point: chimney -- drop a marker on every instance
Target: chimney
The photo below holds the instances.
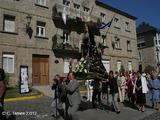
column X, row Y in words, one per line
column 143, row 23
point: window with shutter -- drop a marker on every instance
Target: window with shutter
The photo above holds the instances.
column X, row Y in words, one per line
column 77, row 9
column 118, row 66
column 103, row 40
column 86, row 13
column 8, row 63
column 128, row 45
column 66, row 66
column 130, row 66
column 102, row 16
column 66, row 36
column 139, row 56
column 9, row 23
column 117, row 43
column 40, row 29
column 41, row 2
column 106, row 64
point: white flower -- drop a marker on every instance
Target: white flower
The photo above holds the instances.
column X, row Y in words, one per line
column 85, row 70
column 82, row 59
column 85, row 62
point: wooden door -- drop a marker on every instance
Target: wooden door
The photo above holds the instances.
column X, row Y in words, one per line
column 40, row 70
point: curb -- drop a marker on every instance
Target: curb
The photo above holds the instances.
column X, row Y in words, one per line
column 86, row 91
column 83, row 91
column 23, row 98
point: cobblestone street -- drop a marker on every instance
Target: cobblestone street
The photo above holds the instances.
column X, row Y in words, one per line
column 39, row 109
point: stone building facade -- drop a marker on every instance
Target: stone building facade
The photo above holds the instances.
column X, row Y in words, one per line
column 148, row 38
column 29, row 44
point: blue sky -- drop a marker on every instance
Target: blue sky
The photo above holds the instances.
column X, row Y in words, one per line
column 145, row 10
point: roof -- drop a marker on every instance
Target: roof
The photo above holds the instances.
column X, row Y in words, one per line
column 115, row 10
column 145, row 27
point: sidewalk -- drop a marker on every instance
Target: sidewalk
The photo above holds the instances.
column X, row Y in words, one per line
column 46, row 90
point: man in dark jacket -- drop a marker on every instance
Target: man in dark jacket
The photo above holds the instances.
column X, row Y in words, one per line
column 60, row 97
column 113, row 96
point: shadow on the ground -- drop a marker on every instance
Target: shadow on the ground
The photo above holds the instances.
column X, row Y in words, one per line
column 85, row 105
column 129, row 104
column 147, row 106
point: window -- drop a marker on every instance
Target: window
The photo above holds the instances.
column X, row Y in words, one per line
column 8, row 63
column 86, row 13
column 103, row 40
column 118, row 65
column 66, row 36
column 40, row 29
column 106, row 64
column 130, row 66
column 77, row 9
column 9, row 23
column 127, row 25
column 140, row 67
column 66, row 65
column 157, row 39
column 117, row 43
column 116, row 22
column 102, row 15
column 41, row 2
column 141, row 45
column 139, row 56
column 66, row 2
column 128, row 45
column 157, row 56
column 141, row 42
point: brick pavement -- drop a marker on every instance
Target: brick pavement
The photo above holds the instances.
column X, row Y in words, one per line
column 40, row 110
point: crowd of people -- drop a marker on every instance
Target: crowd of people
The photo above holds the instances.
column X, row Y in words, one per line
column 129, row 87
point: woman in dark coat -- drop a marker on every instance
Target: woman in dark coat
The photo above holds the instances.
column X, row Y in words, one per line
column 141, row 90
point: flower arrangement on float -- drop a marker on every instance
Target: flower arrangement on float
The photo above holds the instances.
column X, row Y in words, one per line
column 82, row 66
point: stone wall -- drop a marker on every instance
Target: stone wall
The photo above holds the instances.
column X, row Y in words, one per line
column 148, row 57
column 25, row 47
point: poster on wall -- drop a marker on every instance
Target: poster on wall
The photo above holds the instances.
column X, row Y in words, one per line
column 24, row 79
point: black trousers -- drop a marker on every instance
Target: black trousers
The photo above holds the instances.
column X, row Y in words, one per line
column 94, row 97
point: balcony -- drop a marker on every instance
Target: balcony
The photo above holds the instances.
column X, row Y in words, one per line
column 74, row 19
column 62, row 49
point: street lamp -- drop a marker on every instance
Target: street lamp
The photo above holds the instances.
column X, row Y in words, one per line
column 28, row 22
